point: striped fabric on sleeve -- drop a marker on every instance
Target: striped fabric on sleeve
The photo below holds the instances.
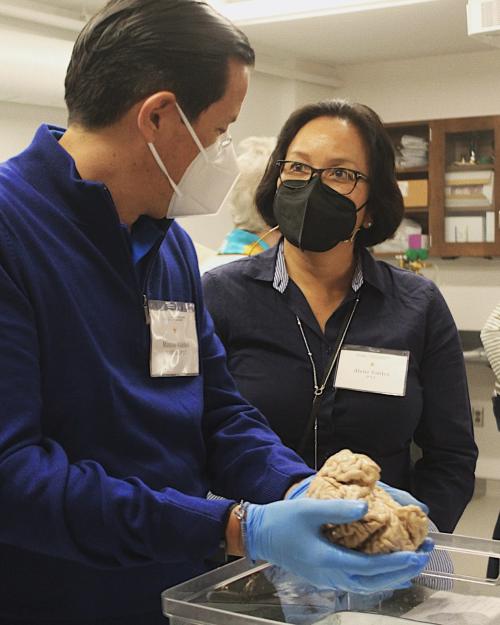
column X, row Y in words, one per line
column 490, row 337
column 439, row 562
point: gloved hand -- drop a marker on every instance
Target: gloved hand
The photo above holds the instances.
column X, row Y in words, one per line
column 402, row 497
column 287, row 533
column 300, row 489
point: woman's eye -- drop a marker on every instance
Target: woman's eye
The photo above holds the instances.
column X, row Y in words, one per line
column 341, row 174
column 299, row 167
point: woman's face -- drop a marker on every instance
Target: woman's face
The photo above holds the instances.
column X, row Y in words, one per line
column 334, row 142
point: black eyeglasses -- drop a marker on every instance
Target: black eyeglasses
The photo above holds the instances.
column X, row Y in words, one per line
column 296, row 175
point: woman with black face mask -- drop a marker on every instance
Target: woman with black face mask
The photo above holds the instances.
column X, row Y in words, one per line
column 337, row 349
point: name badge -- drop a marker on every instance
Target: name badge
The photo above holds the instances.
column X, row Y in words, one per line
column 174, row 340
column 372, row 370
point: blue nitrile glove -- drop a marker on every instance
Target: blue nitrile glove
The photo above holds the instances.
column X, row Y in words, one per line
column 288, row 534
column 300, row 489
column 402, row 497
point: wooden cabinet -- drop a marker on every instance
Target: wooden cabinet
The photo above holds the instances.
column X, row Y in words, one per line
column 411, row 141
column 452, row 188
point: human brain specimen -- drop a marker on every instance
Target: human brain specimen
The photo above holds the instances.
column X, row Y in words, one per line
column 387, row 526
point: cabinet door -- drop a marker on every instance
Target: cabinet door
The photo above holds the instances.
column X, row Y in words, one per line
column 464, row 194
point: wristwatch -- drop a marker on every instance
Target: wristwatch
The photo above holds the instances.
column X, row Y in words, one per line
column 240, row 512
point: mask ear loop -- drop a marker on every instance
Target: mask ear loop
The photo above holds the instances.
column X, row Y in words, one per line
column 160, row 164
column 266, row 234
column 192, row 132
column 356, row 229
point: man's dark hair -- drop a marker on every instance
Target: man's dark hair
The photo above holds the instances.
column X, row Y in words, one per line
column 134, row 48
column 385, row 203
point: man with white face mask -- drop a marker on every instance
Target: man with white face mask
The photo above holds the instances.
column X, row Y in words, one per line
column 118, row 413
column 207, row 182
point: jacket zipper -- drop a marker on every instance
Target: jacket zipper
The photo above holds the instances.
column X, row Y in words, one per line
column 146, row 280
column 145, row 305
column 146, row 308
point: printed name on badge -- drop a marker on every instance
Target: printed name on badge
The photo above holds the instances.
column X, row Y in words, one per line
column 372, row 370
column 174, row 339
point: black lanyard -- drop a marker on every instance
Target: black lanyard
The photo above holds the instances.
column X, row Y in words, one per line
column 318, row 395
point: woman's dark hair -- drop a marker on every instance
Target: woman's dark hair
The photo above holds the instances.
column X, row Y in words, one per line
column 385, row 203
column 134, row 48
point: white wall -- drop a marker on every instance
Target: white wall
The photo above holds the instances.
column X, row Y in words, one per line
column 480, row 378
column 460, row 85
column 18, row 123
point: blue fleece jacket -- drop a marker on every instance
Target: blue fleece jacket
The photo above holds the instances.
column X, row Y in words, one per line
column 103, row 469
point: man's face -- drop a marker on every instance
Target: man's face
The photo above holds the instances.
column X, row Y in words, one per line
column 179, row 149
column 215, row 120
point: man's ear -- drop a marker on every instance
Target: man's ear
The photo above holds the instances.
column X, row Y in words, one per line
column 155, row 113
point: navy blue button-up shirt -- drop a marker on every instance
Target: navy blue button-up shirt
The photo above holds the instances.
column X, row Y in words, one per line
column 254, row 305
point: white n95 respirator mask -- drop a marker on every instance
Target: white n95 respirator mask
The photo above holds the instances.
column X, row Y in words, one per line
column 207, row 181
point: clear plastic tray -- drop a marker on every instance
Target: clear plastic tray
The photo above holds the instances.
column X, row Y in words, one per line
column 243, row 593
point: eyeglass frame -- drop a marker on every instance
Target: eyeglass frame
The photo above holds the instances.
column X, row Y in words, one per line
column 319, row 171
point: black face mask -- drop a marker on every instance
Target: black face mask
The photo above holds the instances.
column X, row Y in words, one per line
column 314, row 217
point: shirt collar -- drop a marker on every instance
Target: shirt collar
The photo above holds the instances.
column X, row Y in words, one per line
column 281, row 277
column 375, row 272
column 264, row 267
column 88, row 199
column 144, row 235
column 52, row 171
